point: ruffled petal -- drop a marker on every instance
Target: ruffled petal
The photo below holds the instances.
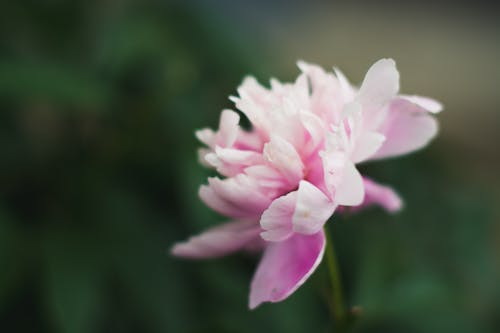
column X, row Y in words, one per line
column 238, row 196
column 315, row 130
column 285, row 266
column 407, row 128
column 254, row 100
column 267, row 177
column 277, row 219
column 326, row 98
column 316, row 74
column 283, row 156
column 230, row 162
column 214, row 201
column 219, row 241
column 312, row 210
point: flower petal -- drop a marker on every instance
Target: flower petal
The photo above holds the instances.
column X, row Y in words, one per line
column 236, row 156
column 219, row 241
column 285, row 266
column 380, row 85
column 283, row 156
column 206, row 136
column 277, row 219
column 347, row 89
column 315, row 73
column 214, row 201
column 406, row 129
column 312, row 210
column 367, row 144
column 315, row 128
column 253, row 101
column 377, row 194
column 426, row 103
column 333, row 160
column 238, row 196
column 326, row 98
column 230, row 162
column 228, row 128
column 241, row 191
column 267, row 177
column 350, row 191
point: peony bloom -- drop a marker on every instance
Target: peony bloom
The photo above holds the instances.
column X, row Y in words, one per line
column 286, row 176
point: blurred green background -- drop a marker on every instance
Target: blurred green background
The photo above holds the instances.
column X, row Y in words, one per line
column 99, row 100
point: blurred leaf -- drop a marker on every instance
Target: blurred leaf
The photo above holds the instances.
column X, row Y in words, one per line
column 13, row 259
column 154, row 289
column 59, row 84
column 74, row 273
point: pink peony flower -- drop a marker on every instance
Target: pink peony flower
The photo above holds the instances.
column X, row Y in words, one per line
column 284, row 178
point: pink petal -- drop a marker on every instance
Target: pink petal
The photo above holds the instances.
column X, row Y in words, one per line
column 227, row 133
column 242, row 192
column 277, row 219
column 228, row 128
column 285, row 266
column 214, row 201
column 219, row 241
column 248, row 140
column 285, row 123
column 406, row 129
column 236, row 156
column 283, row 156
column 425, row 103
column 333, row 161
column 207, row 136
column 238, row 196
column 253, row 101
column 300, row 90
column 347, row 89
column 315, row 73
column 377, row 194
column 367, row 144
column 380, row 85
column 312, row 210
column 326, row 99
column 350, row 191
column 252, row 90
column 315, row 128
column 230, row 162
column 267, row 176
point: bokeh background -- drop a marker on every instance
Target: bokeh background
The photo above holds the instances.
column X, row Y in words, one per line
column 99, row 100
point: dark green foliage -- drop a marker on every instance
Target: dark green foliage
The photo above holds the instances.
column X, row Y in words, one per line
column 99, row 176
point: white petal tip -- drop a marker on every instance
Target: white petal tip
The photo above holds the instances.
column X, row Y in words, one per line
column 179, row 250
column 303, row 66
column 394, row 205
column 254, row 305
column 388, row 61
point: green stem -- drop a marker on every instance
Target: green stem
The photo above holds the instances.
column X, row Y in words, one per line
column 338, row 306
